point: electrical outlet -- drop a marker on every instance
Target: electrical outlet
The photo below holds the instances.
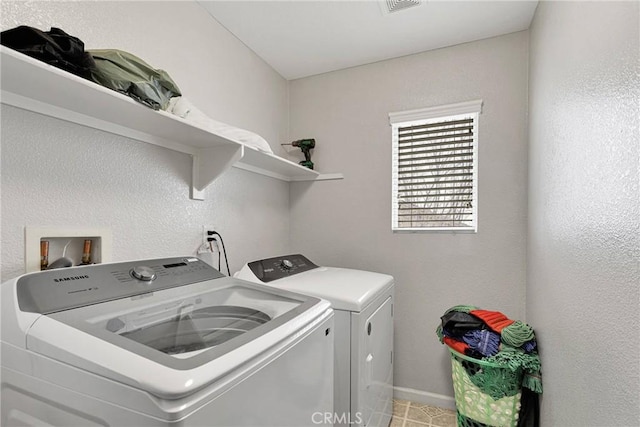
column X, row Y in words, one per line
column 205, row 246
column 206, row 228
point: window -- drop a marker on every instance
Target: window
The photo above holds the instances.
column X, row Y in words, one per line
column 435, row 158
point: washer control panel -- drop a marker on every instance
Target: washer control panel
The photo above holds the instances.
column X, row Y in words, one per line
column 50, row 291
column 270, row 269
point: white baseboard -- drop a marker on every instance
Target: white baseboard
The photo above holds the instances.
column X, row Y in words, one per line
column 424, row 397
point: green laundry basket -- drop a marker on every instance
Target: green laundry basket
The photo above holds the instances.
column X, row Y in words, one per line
column 486, row 394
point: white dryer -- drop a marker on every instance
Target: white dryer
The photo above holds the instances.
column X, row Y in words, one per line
column 363, row 307
column 161, row 342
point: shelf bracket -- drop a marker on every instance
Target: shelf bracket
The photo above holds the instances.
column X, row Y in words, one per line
column 209, row 164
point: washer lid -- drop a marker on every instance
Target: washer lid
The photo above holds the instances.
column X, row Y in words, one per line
column 345, row 289
column 170, row 340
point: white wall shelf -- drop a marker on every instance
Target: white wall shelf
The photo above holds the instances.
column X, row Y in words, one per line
column 36, row 86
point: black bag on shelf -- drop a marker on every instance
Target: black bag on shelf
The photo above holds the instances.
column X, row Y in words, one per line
column 55, row 47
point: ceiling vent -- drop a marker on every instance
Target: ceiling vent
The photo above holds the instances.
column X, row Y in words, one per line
column 389, row 6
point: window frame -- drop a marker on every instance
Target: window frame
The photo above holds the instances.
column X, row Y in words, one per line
column 431, row 114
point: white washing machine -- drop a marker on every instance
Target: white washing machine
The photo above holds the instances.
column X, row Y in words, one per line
column 162, row 342
column 363, row 307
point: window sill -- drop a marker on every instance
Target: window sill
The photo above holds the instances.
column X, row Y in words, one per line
column 456, row 230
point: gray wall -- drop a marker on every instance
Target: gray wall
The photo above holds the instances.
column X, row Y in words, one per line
column 59, row 174
column 584, row 236
column 348, row 223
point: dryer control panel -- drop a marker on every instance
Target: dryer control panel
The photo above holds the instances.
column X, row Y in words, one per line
column 276, row 268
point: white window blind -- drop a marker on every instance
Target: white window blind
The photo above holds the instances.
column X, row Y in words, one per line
column 434, row 175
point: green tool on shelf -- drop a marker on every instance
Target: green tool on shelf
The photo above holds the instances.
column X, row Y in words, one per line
column 305, row 145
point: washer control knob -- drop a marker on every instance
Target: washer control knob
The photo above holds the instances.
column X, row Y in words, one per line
column 144, row 273
column 286, row 264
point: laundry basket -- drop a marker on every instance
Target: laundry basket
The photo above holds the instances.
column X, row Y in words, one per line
column 486, row 394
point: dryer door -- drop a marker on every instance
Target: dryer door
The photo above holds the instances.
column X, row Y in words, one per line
column 374, row 349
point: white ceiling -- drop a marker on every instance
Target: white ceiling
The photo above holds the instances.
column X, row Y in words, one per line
column 300, row 38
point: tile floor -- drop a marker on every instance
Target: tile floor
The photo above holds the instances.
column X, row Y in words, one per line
column 412, row 414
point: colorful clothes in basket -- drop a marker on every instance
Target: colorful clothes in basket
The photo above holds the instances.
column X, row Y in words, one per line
column 490, row 336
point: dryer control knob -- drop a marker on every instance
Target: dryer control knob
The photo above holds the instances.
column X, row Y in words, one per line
column 286, row 264
column 143, row 273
